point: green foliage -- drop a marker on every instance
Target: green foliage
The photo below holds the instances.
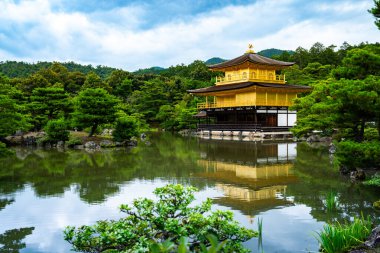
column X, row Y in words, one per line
column 177, row 118
column 73, row 140
column 183, row 247
column 94, row 81
column 375, row 11
column 56, row 130
column 371, row 134
column 358, row 155
column 331, row 201
column 374, row 181
column 126, row 128
column 339, row 238
column 344, row 104
column 4, row 151
column 170, row 218
column 94, row 107
column 358, row 64
column 47, row 104
column 11, row 119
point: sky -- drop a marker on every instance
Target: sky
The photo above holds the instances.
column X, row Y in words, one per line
column 140, row 34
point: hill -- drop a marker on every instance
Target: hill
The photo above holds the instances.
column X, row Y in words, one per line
column 273, row 51
column 23, row 69
column 152, row 70
column 214, row 60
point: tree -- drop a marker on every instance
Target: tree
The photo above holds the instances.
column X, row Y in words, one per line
column 375, row 11
column 93, row 108
column 94, row 81
column 346, row 105
column 56, row 130
column 48, row 103
column 126, row 127
column 32, row 82
column 170, row 218
column 358, row 64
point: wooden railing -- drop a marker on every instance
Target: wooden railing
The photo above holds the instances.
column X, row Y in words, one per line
column 268, row 78
column 230, row 127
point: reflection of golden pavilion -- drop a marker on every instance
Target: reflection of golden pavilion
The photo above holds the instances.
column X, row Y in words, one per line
column 248, row 188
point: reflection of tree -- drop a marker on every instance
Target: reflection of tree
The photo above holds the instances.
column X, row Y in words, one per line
column 318, row 177
column 5, row 202
column 11, row 240
column 98, row 175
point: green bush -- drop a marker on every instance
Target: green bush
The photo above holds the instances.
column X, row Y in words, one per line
column 56, row 130
column 339, row 238
column 374, row 181
column 358, row 155
column 371, row 134
column 126, row 127
column 151, row 224
column 4, row 151
column 73, row 140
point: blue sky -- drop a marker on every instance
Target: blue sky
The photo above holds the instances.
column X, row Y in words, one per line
column 138, row 34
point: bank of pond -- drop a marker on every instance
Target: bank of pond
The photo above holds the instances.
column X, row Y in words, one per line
column 288, row 186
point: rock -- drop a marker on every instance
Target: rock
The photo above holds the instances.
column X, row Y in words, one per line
column 143, row 136
column 373, row 240
column 107, row 132
column 376, row 204
column 332, row 148
column 313, row 138
column 325, row 139
column 91, row 145
column 344, row 170
column 14, row 140
column 359, row 174
column 60, row 144
column 107, row 144
column 131, row 143
column 19, row 133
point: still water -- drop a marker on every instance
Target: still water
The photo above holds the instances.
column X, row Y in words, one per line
column 43, row 191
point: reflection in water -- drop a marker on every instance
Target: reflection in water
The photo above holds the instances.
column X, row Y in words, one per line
column 253, row 184
column 285, row 183
column 11, row 240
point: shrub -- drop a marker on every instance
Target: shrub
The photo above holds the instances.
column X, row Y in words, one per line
column 4, row 151
column 56, row 130
column 358, row 155
column 167, row 220
column 126, row 127
column 340, row 238
column 374, row 181
column 73, row 140
column 371, row 134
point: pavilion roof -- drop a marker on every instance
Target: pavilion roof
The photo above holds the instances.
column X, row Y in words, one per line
column 237, row 86
column 253, row 58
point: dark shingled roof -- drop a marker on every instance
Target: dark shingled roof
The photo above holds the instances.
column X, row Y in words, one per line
column 237, row 86
column 253, row 58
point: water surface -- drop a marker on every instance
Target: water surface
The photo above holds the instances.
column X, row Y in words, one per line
column 42, row 191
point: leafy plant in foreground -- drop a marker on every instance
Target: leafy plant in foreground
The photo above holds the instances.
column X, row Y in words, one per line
column 159, row 222
column 339, row 238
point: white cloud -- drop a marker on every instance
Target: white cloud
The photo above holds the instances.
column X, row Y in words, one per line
column 113, row 37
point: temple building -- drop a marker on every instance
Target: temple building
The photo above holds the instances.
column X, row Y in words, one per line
column 252, row 95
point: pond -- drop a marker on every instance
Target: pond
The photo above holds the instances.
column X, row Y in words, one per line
column 285, row 184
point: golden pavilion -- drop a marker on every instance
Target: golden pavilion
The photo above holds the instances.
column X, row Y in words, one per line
column 252, row 95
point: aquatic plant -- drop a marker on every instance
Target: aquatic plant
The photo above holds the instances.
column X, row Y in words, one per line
column 260, row 233
column 331, row 201
column 338, row 238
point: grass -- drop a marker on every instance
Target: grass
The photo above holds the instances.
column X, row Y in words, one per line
column 260, row 233
column 331, row 201
column 340, row 238
column 374, row 181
